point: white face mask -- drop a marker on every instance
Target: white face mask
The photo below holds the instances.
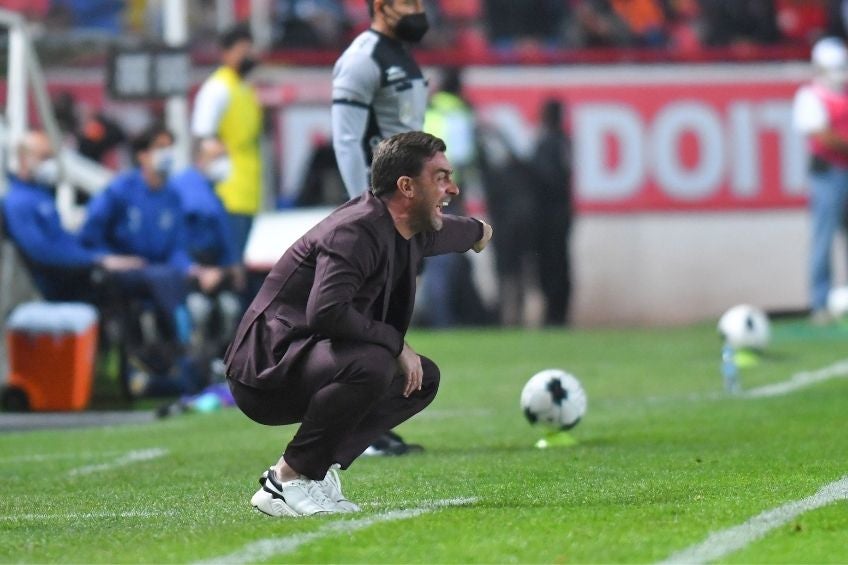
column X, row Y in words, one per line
column 46, row 172
column 163, row 160
column 837, row 79
column 219, row 169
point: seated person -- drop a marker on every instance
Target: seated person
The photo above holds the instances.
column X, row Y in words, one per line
column 216, row 311
column 140, row 213
column 61, row 267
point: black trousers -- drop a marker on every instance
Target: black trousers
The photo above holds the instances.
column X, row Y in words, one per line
column 345, row 395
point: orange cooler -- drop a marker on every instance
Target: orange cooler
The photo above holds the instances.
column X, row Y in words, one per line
column 52, row 346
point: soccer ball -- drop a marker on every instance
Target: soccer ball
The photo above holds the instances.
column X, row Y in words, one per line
column 837, row 302
column 745, row 327
column 554, row 398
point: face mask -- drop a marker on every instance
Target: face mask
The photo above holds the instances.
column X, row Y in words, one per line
column 245, row 66
column 836, row 79
column 219, row 169
column 163, row 160
column 46, row 172
column 412, row 27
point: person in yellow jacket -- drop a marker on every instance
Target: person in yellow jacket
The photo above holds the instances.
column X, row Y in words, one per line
column 227, row 108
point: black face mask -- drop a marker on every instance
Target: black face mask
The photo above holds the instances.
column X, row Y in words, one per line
column 245, row 66
column 412, row 27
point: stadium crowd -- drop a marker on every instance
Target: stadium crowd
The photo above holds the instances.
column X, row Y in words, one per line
column 478, row 26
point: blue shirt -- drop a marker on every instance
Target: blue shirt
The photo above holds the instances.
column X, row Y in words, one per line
column 208, row 235
column 33, row 223
column 102, row 15
column 131, row 218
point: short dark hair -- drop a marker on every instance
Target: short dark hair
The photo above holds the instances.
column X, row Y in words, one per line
column 402, row 155
column 144, row 140
column 370, row 4
column 236, row 33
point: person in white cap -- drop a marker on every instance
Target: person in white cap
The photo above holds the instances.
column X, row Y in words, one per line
column 820, row 113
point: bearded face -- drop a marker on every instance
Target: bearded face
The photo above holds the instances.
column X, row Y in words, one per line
column 434, row 189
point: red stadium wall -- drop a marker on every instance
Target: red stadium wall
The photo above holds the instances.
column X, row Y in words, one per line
column 688, row 178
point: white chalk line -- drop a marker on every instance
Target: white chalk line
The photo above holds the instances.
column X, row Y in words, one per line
column 68, row 516
column 266, row 548
column 39, row 457
column 800, row 380
column 451, row 413
column 724, row 542
column 458, row 501
column 129, row 458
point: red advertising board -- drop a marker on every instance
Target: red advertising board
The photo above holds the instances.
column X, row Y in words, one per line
column 680, row 139
column 645, row 137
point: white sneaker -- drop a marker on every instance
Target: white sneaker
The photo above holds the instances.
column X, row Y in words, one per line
column 290, row 498
column 316, row 493
column 265, row 502
column 332, row 488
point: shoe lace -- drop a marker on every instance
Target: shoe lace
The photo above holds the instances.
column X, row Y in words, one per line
column 318, row 494
column 334, row 484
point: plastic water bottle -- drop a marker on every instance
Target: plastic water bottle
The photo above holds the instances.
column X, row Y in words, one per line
column 729, row 370
column 205, row 402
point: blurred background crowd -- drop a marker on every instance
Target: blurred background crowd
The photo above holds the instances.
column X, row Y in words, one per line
column 476, row 28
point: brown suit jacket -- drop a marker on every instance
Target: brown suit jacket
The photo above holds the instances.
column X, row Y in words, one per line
column 326, row 286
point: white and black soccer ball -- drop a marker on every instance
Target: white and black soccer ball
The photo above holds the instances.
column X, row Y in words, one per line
column 554, row 398
column 745, row 327
column 837, row 302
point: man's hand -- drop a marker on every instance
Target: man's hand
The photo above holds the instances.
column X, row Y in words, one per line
column 208, row 278
column 115, row 263
column 410, row 365
column 487, row 235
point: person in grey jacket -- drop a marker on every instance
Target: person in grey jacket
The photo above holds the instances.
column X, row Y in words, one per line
column 378, row 88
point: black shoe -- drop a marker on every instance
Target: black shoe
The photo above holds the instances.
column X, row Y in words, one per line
column 171, row 409
column 392, row 444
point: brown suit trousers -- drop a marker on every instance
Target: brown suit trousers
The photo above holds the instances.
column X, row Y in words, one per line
column 345, row 394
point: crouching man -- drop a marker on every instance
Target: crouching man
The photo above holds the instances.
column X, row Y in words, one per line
column 323, row 341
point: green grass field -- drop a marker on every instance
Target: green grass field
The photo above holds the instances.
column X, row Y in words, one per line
column 664, row 459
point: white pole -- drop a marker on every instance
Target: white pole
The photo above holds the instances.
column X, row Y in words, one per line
column 43, row 104
column 16, row 91
column 65, row 192
column 260, row 24
column 176, row 107
column 225, row 14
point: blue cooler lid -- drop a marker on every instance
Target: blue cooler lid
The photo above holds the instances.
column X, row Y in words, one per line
column 52, row 317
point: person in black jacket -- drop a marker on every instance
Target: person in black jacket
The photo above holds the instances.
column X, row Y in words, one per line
column 553, row 210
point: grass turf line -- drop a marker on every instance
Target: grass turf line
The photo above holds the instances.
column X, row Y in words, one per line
column 663, row 460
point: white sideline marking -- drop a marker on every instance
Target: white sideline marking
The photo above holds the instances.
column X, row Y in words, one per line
column 724, row 542
column 266, row 548
column 449, row 413
column 800, row 380
column 127, row 459
column 36, row 457
column 83, row 515
column 460, row 501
